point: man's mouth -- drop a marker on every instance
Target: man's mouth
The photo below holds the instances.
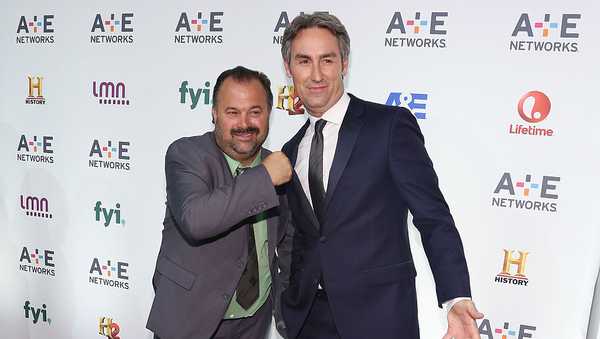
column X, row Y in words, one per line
column 245, row 134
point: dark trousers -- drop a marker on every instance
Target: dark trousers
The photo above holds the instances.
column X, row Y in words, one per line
column 254, row 327
column 319, row 323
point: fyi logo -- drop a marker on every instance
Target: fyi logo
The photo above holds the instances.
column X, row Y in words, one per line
column 108, row 328
column 36, row 314
column 195, row 95
column 108, row 215
column 289, row 101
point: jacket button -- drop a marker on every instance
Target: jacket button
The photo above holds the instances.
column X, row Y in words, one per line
column 240, row 264
column 323, row 239
column 226, row 297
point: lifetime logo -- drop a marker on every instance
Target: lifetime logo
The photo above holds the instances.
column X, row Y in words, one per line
column 487, row 331
column 538, row 32
column 528, row 189
column 420, row 23
column 30, row 31
column 201, row 28
column 110, row 93
column 289, row 101
column 35, row 207
column 38, row 257
column 533, row 107
column 415, row 102
column 112, row 275
column 108, row 328
column 114, row 26
column 34, row 93
column 105, row 215
column 283, row 22
column 505, row 276
column 36, row 314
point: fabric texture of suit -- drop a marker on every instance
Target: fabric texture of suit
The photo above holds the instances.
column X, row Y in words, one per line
column 360, row 253
column 204, row 245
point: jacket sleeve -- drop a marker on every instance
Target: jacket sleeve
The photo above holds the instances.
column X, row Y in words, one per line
column 202, row 211
column 417, row 183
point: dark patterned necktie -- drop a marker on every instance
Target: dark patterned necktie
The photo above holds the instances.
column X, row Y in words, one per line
column 315, row 172
column 247, row 289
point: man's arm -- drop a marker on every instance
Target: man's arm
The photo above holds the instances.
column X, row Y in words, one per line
column 202, row 211
column 413, row 174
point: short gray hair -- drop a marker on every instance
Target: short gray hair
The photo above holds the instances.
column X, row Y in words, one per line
column 322, row 20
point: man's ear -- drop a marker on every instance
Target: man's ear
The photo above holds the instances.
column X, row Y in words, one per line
column 345, row 67
column 214, row 115
column 287, row 68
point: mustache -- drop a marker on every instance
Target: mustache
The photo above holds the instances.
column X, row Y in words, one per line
column 251, row 129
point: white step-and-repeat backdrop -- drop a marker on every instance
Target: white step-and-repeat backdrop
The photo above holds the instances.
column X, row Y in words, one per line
column 92, row 93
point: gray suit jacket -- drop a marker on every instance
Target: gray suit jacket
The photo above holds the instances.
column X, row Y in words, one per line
column 204, row 241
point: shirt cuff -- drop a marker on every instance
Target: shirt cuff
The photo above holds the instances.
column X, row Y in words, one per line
column 447, row 306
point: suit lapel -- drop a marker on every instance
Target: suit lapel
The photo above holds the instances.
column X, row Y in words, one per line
column 348, row 134
column 291, row 150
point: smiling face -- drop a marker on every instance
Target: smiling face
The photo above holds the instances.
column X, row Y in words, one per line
column 316, row 67
column 241, row 119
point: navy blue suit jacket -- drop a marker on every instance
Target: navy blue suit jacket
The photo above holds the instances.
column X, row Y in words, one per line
column 361, row 252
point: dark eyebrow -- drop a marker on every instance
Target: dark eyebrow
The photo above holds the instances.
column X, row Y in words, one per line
column 328, row 55
column 301, row 56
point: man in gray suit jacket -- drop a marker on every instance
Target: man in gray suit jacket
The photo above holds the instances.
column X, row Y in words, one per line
column 216, row 270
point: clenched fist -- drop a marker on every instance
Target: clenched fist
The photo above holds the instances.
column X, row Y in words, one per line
column 279, row 168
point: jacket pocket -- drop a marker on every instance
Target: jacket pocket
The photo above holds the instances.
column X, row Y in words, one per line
column 388, row 274
column 175, row 273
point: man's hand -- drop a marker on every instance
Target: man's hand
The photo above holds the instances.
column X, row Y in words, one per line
column 461, row 321
column 279, row 168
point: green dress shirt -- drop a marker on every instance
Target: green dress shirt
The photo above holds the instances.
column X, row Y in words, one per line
column 234, row 310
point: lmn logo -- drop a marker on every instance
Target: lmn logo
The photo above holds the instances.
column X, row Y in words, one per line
column 110, row 93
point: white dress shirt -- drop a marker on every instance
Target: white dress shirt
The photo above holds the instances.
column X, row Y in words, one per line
column 334, row 117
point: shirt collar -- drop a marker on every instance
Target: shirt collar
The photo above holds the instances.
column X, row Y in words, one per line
column 336, row 113
column 233, row 164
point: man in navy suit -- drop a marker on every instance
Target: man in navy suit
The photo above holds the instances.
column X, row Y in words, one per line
column 359, row 168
